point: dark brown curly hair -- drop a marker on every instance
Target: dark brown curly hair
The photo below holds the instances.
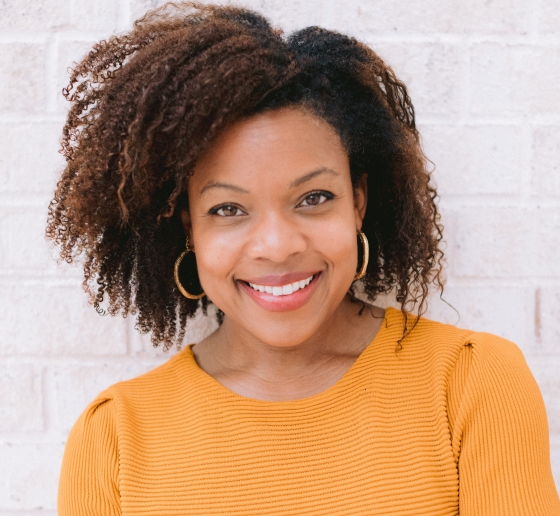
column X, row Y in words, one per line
column 147, row 103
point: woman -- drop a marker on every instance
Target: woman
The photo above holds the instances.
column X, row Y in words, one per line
column 209, row 158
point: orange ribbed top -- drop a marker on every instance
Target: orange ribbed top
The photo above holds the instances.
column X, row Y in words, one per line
column 454, row 423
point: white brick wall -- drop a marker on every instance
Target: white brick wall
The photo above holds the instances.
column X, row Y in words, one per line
column 485, row 79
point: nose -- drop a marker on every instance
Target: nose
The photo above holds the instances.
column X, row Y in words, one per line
column 276, row 238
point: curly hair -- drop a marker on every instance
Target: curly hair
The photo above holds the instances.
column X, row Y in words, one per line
column 147, row 103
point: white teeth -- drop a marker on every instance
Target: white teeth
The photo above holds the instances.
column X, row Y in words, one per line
column 287, row 290
column 284, row 290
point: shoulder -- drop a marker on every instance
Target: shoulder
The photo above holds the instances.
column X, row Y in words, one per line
column 499, row 429
column 427, row 334
column 423, row 339
column 169, row 377
column 494, row 368
column 482, row 374
column 90, row 463
column 129, row 402
column 104, row 409
column 461, row 360
column 491, row 351
column 491, row 391
column 98, row 417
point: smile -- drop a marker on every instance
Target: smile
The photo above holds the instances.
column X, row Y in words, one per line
column 290, row 295
column 282, row 290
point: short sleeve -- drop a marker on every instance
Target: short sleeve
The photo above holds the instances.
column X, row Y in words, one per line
column 89, row 476
column 500, row 433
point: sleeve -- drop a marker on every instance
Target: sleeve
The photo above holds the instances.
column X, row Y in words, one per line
column 500, row 433
column 89, row 476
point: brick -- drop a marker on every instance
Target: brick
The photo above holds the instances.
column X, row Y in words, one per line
column 22, row 240
column 549, row 19
column 101, row 15
column 56, row 320
column 477, row 159
column 505, row 242
column 514, row 79
column 358, row 17
column 35, row 15
column 31, row 477
column 69, row 53
column 546, row 242
column 76, row 386
column 543, row 80
column 503, row 311
column 491, row 242
column 545, row 159
column 547, row 315
column 29, row 158
column 20, row 398
column 22, row 77
column 430, row 71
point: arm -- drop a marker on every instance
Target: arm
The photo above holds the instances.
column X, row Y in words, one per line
column 500, row 433
column 89, row 476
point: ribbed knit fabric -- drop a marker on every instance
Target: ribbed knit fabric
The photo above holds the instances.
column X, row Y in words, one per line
column 453, row 423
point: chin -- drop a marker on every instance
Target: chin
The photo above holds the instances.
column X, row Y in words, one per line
column 278, row 338
column 281, row 329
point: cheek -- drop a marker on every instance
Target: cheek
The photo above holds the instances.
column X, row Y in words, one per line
column 336, row 242
column 216, row 258
column 218, row 255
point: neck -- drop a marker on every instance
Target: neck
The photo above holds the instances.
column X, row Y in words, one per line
column 345, row 334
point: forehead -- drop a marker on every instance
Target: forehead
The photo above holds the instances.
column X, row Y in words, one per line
column 283, row 143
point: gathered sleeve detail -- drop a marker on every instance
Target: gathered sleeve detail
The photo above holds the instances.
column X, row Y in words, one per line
column 90, row 469
column 499, row 432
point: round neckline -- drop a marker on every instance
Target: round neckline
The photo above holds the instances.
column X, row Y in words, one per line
column 219, row 388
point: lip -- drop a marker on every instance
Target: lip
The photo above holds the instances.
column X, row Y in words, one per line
column 282, row 303
column 273, row 280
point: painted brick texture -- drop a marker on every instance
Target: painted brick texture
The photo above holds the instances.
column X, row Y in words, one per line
column 485, row 80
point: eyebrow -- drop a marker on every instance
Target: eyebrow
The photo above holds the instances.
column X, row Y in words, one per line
column 297, row 182
column 311, row 175
column 219, row 184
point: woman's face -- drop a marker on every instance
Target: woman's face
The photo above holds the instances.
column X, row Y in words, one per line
column 272, row 220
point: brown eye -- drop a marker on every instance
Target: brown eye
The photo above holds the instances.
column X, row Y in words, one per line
column 226, row 210
column 316, row 198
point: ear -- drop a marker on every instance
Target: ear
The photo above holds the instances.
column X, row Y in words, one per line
column 360, row 201
column 187, row 226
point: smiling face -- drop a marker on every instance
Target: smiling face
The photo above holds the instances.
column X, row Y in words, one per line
column 272, row 219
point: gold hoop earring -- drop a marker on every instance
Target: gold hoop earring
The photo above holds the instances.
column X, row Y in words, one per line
column 176, row 274
column 362, row 272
